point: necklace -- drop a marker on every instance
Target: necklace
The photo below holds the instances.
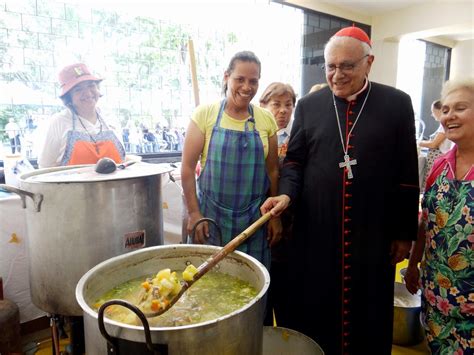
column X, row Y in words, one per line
column 96, row 146
column 347, row 163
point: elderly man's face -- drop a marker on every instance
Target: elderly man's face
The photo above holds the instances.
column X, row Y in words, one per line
column 347, row 65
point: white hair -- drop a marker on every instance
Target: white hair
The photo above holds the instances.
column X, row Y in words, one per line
column 457, row 84
column 335, row 39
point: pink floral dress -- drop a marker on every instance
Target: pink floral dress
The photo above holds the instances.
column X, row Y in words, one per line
column 448, row 264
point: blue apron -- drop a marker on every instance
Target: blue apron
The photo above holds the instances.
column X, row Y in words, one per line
column 234, row 184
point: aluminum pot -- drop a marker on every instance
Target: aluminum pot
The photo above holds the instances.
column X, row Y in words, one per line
column 77, row 218
column 284, row 341
column 239, row 332
column 407, row 329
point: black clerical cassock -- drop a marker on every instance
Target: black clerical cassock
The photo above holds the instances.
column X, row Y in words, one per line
column 341, row 277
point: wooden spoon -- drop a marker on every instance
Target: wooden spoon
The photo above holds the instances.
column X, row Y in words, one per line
column 213, row 260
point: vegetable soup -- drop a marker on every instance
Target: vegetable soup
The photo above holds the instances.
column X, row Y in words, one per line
column 214, row 295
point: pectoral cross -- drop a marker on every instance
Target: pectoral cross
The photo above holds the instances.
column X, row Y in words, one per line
column 347, row 164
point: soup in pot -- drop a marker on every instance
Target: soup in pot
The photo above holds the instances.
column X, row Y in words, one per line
column 214, row 295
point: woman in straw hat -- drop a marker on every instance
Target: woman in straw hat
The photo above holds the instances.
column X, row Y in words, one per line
column 79, row 134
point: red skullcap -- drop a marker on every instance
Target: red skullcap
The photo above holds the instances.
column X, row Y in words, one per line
column 354, row 32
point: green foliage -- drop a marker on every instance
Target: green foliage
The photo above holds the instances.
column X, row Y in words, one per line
column 103, row 18
column 142, row 54
column 168, row 116
column 232, row 38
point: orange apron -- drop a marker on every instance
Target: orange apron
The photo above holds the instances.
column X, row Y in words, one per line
column 86, row 148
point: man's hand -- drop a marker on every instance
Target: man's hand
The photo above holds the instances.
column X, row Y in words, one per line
column 276, row 205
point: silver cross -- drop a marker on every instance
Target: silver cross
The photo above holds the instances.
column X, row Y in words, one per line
column 347, row 164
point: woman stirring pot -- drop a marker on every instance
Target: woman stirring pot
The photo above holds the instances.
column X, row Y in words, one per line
column 236, row 143
column 79, row 134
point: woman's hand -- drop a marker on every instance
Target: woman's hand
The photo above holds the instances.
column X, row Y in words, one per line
column 274, row 231
column 202, row 230
column 276, row 205
column 400, row 250
column 193, row 145
column 412, row 279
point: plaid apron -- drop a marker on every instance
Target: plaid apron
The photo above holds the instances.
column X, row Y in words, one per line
column 233, row 185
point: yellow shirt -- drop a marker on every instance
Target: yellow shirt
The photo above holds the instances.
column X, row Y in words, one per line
column 205, row 116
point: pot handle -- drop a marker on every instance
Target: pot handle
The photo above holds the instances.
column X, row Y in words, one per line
column 135, row 310
column 219, row 232
column 37, row 198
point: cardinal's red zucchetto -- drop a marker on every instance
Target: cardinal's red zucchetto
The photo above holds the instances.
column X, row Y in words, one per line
column 354, row 32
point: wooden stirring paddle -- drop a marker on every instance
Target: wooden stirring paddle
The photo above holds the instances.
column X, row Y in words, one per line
column 212, row 261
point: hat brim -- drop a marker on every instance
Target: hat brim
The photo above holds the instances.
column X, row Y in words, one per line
column 66, row 88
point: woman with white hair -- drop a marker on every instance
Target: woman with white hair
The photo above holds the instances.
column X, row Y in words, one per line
column 445, row 244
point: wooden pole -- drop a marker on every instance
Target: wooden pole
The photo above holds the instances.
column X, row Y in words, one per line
column 192, row 62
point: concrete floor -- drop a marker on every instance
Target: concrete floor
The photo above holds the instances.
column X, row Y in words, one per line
column 40, row 343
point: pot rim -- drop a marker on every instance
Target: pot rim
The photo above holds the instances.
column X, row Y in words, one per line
column 85, row 173
column 401, row 291
column 87, row 309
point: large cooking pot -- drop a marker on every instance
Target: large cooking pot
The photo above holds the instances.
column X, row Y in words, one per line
column 77, row 218
column 237, row 333
column 407, row 329
column 284, row 341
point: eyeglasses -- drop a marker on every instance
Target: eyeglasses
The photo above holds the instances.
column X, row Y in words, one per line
column 345, row 67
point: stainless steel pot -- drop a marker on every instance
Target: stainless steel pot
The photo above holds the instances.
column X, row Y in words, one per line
column 407, row 329
column 284, row 341
column 77, row 218
column 237, row 333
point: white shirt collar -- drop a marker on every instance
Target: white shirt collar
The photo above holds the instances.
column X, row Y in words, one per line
column 286, row 130
column 354, row 96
